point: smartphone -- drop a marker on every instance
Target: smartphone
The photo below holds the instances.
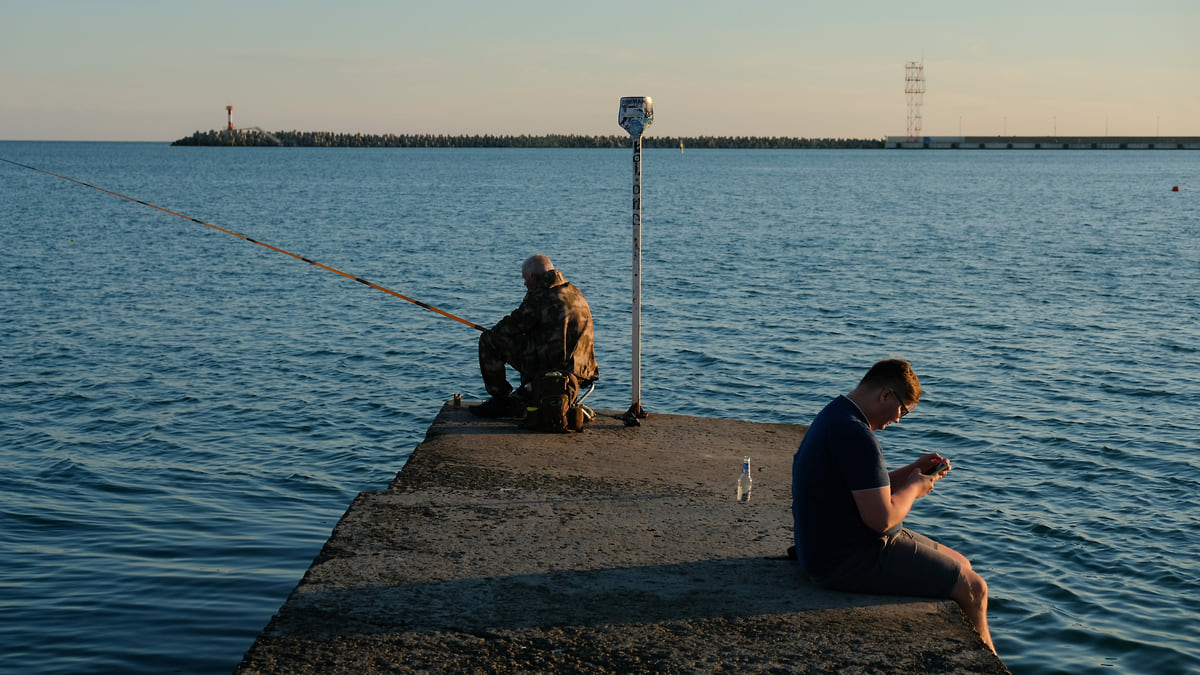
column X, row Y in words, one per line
column 938, row 469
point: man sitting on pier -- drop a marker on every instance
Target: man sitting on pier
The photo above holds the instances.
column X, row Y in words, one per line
column 849, row 509
column 550, row 330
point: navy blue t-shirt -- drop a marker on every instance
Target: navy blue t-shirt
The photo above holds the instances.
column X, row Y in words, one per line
column 838, row 456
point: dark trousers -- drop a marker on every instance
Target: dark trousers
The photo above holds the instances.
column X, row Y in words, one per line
column 494, row 354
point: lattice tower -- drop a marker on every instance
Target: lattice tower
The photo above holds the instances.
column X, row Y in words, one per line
column 914, row 87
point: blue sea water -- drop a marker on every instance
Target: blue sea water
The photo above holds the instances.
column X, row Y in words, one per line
column 184, row 415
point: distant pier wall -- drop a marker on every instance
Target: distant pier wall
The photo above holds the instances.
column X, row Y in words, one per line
column 1045, row 143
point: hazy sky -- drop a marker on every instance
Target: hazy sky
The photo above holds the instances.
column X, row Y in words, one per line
column 158, row 70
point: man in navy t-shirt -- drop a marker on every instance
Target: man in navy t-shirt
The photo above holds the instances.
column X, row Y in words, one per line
column 849, row 509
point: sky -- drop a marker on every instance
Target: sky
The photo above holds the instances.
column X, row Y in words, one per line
column 159, row 70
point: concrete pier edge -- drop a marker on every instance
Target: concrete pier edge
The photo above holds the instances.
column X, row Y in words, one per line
column 619, row 549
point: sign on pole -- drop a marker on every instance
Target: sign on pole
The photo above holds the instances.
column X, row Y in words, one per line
column 635, row 115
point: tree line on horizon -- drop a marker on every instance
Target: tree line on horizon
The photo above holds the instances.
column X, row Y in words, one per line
column 326, row 139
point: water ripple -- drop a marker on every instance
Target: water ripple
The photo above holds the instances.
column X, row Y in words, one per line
column 185, row 417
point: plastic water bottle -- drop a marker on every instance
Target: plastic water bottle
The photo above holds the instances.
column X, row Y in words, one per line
column 744, row 482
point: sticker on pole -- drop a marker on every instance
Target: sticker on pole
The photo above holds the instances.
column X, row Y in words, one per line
column 636, row 114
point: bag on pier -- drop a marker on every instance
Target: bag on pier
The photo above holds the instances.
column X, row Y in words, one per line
column 552, row 405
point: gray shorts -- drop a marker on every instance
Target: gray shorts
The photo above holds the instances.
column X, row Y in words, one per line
column 905, row 563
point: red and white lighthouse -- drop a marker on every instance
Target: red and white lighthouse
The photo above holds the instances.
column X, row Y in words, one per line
column 229, row 110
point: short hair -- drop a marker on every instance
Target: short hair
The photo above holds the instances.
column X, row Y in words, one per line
column 896, row 374
column 536, row 264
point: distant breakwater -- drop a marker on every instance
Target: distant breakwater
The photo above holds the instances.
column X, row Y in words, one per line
column 325, row 139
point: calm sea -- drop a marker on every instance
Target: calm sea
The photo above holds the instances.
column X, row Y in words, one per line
column 184, row 416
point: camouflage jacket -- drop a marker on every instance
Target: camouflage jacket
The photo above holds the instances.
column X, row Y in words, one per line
column 551, row 329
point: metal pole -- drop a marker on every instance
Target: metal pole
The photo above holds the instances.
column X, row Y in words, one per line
column 635, row 407
column 636, row 113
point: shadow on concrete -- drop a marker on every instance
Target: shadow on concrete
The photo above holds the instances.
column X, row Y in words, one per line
column 458, row 421
column 708, row 589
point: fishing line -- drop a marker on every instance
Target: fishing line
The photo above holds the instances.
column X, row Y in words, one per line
column 254, row 241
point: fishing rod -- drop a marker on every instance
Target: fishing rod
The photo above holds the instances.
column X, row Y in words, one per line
column 254, row 241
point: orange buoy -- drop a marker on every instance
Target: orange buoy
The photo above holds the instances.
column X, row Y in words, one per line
column 1175, row 189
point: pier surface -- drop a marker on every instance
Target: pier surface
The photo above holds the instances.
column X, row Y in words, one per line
column 619, row 549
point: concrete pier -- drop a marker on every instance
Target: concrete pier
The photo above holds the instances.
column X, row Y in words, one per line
column 619, row 549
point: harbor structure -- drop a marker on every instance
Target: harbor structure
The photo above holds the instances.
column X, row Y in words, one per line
column 1044, row 143
column 914, row 90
